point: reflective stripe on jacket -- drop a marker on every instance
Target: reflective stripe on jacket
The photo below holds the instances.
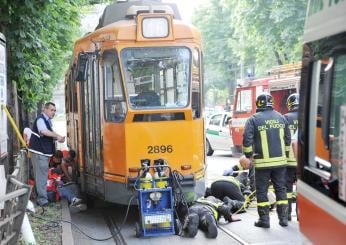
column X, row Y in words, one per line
column 212, row 205
column 267, row 138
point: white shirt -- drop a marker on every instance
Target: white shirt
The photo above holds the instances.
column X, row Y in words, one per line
column 41, row 125
column 295, row 136
column 27, row 132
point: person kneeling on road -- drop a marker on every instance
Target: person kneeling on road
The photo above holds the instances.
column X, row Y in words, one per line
column 204, row 214
column 239, row 172
column 235, row 188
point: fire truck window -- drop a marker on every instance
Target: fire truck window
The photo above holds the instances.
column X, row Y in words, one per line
column 244, row 103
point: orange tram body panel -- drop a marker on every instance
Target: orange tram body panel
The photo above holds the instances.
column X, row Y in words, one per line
column 321, row 158
column 134, row 92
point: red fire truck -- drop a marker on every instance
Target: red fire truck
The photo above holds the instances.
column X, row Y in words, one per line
column 282, row 81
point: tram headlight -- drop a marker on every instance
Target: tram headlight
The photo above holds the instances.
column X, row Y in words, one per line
column 155, row 196
column 156, row 27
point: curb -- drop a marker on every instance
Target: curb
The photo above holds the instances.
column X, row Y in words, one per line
column 66, row 236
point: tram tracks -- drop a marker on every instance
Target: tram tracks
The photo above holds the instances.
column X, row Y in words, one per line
column 114, row 230
column 233, row 236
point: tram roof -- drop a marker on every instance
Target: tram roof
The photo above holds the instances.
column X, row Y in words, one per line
column 125, row 30
column 324, row 18
column 118, row 10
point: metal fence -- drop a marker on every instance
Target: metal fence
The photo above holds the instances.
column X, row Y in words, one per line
column 14, row 203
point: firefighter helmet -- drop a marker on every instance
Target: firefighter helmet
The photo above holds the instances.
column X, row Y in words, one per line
column 292, row 101
column 264, row 101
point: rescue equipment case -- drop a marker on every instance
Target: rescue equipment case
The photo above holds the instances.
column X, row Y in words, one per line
column 155, row 203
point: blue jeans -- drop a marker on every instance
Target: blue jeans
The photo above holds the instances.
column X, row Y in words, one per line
column 40, row 166
column 69, row 192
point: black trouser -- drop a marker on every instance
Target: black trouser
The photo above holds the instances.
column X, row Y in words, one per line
column 251, row 176
column 222, row 188
column 278, row 178
column 291, row 176
column 201, row 210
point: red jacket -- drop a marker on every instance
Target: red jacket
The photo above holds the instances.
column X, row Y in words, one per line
column 53, row 181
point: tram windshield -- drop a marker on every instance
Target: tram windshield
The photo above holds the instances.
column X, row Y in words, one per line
column 157, row 77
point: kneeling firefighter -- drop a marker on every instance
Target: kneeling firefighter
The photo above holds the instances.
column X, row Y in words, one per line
column 267, row 140
column 247, row 179
column 204, row 214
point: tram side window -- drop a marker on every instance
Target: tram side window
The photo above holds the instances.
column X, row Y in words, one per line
column 328, row 112
column 114, row 100
column 244, row 104
column 73, row 94
column 196, row 85
column 337, row 125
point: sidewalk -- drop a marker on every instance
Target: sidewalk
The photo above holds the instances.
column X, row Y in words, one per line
column 46, row 225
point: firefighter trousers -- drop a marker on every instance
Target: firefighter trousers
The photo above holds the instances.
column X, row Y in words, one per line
column 291, row 176
column 206, row 220
column 278, row 178
column 222, row 188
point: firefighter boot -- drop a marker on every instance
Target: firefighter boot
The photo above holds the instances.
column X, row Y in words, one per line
column 191, row 225
column 289, row 217
column 238, row 206
column 209, row 225
column 235, row 205
column 282, row 210
column 263, row 220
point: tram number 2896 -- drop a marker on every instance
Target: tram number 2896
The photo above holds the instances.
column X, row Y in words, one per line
column 152, row 149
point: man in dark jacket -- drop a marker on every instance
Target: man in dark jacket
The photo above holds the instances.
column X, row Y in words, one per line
column 267, row 140
column 42, row 147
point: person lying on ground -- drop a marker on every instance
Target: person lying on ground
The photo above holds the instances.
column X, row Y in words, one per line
column 57, row 189
column 205, row 212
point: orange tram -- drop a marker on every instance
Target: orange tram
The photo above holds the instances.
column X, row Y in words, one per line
column 134, row 93
column 322, row 125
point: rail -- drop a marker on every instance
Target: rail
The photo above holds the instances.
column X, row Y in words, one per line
column 14, row 203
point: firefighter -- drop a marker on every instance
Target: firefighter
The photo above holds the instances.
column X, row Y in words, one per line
column 204, row 214
column 292, row 118
column 234, row 185
column 267, row 140
column 229, row 186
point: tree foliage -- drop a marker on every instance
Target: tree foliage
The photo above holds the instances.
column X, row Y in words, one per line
column 39, row 36
column 219, row 57
column 271, row 28
column 248, row 34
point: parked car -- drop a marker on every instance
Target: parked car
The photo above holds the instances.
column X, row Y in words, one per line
column 209, row 111
column 217, row 133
